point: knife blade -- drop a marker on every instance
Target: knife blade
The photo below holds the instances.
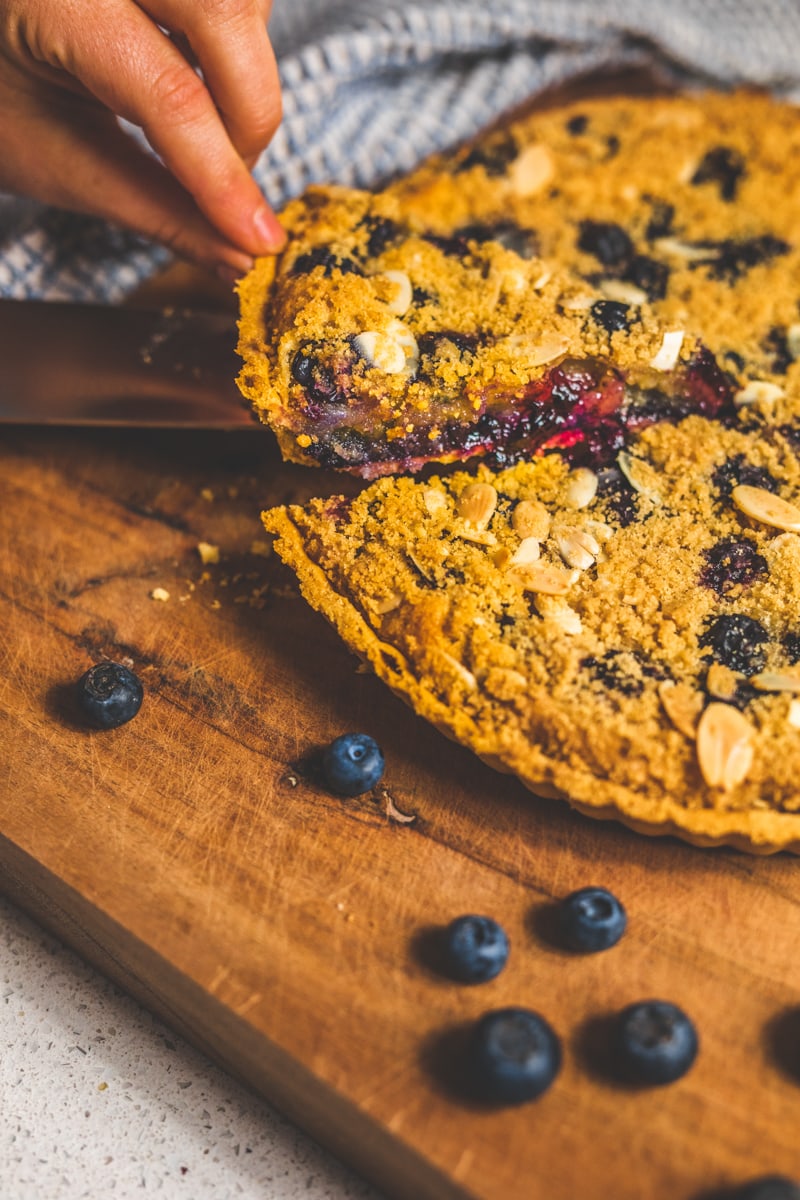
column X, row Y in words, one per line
column 91, row 364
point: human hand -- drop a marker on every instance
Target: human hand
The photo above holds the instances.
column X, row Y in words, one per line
column 70, row 68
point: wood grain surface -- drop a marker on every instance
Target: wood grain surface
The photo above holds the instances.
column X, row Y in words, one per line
column 192, row 856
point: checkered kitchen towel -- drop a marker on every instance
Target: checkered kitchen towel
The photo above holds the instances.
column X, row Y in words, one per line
column 372, row 86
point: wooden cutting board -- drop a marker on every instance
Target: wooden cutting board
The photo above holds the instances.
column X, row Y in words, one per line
column 288, row 933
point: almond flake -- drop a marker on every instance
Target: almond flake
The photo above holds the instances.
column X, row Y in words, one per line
column 464, row 675
column 395, row 290
column 388, row 604
column 640, row 475
column 767, row 508
column 526, row 552
column 683, row 706
column 393, row 351
column 476, row 504
column 531, row 519
column 685, row 250
column 541, row 577
column 793, row 716
column 624, row 293
column 533, row 351
column 531, row 170
column 669, row 352
column 775, row 681
column 793, row 340
column 757, row 391
column 724, row 746
column 577, row 548
column 581, row 487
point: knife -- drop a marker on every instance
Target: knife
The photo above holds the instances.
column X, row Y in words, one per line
column 91, row 364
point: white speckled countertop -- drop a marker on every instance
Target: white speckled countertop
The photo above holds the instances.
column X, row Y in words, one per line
column 99, row 1098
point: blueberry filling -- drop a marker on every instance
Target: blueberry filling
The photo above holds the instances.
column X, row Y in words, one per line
column 493, row 155
column 738, row 470
column 329, row 260
column 381, row 233
column 609, row 243
column 523, row 242
column 791, row 644
column 315, row 377
column 735, row 641
column 730, row 259
column 733, row 563
column 578, row 124
column 622, row 671
column 611, row 315
column 648, row 274
column 723, row 166
column 777, row 347
column 661, row 218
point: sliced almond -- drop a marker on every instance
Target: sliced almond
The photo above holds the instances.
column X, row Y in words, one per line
column 526, row 552
column 669, row 351
column 531, row 170
column 724, row 746
column 766, row 508
column 581, row 487
column 675, row 248
column 640, row 475
column 466, row 676
column 530, row 350
column 476, row 504
column 624, row 293
column 682, row 704
column 388, row 604
column 577, row 548
column 793, row 340
column 722, row 682
column 757, row 391
column 793, row 716
column 394, row 288
column 531, row 519
column 542, row 577
column 776, row 681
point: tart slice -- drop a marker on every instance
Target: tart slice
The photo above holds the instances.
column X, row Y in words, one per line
column 561, row 283
column 626, row 638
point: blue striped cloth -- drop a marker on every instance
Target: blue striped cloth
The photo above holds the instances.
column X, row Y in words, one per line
column 372, row 86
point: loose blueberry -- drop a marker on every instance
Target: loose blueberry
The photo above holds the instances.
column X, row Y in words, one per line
column 475, row 949
column 735, row 641
column 591, row 919
column 724, row 166
column 515, row 1056
column 733, row 562
column 611, row 315
column 768, row 1187
column 606, row 241
column 109, row 695
column 655, row 1042
column 352, row 764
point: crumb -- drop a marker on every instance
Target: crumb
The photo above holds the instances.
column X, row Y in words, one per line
column 208, row 552
column 207, row 494
column 261, row 549
column 160, row 593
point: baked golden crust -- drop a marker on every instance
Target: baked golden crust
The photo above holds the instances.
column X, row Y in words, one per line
column 628, row 640
column 454, row 312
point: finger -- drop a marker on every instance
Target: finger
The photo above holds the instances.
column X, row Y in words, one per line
column 133, row 69
column 84, row 162
column 228, row 40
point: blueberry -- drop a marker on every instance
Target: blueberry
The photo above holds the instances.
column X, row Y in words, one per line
column 606, row 241
column 352, row 764
column 655, row 1042
column 577, row 124
column 328, row 259
column 723, row 166
column 733, row 562
column 648, row 274
column 475, row 949
column 108, row 695
column 661, row 219
column 735, row 641
column 791, row 644
column 315, row 376
column 591, row 919
column 514, row 1056
column 768, row 1187
column 611, row 315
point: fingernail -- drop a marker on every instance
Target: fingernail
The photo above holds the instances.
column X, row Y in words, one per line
column 269, row 229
